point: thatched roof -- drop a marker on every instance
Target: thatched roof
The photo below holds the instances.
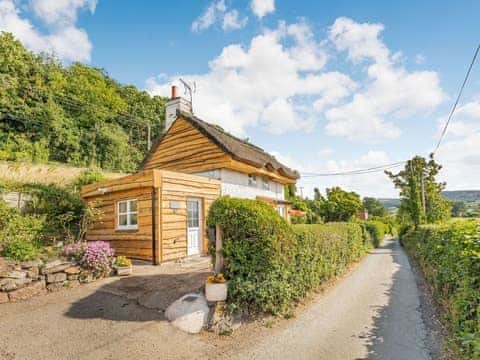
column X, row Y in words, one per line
column 239, row 149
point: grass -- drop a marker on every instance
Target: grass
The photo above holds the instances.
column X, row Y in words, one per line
column 52, row 173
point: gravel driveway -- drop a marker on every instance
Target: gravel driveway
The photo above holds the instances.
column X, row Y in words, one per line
column 373, row 313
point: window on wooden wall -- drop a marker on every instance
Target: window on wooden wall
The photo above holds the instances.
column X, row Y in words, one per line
column 127, row 214
column 252, row 180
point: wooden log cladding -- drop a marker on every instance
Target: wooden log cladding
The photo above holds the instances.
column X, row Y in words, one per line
column 184, row 149
column 132, row 243
column 179, row 187
column 170, row 224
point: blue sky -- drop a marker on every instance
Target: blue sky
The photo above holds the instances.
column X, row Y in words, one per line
column 325, row 86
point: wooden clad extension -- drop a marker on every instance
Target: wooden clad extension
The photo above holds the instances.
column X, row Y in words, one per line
column 169, row 225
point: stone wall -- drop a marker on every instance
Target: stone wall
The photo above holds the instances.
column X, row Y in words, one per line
column 20, row 281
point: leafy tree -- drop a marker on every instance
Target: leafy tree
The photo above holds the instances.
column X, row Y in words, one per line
column 340, row 205
column 75, row 114
column 374, row 207
column 459, row 209
column 416, row 178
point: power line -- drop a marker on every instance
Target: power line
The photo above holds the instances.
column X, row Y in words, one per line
column 357, row 171
column 458, row 99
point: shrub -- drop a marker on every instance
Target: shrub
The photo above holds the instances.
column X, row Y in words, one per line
column 95, row 255
column 19, row 250
column 449, row 256
column 89, row 176
column 377, row 231
column 270, row 264
column 75, row 251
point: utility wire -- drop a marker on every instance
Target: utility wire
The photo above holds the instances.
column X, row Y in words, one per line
column 458, row 99
column 370, row 170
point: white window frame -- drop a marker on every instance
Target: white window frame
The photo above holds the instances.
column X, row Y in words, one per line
column 128, row 213
column 281, row 210
column 252, row 180
column 265, row 184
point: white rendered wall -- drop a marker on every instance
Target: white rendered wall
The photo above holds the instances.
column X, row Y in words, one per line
column 235, row 184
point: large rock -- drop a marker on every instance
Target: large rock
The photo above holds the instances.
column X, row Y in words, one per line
column 189, row 313
column 55, row 278
column 14, row 274
column 38, row 287
column 30, row 264
column 56, row 268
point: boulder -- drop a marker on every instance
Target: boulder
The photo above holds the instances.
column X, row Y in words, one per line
column 189, row 313
column 72, row 270
column 35, row 288
column 30, row 264
column 55, row 278
column 14, row 274
column 57, row 268
column 33, row 272
column 8, row 284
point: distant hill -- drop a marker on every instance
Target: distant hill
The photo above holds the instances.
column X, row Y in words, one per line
column 390, row 202
column 462, row 195
column 467, row 196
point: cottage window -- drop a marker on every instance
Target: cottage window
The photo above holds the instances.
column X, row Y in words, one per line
column 127, row 215
column 266, row 184
column 252, row 180
column 281, row 210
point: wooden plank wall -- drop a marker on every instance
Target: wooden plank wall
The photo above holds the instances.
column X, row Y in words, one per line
column 186, row 149
column 178, row 187
column 132, row 243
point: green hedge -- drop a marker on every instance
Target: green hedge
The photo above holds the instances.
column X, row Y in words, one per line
column 449, row 256
column 377, row 231
column 270, row 264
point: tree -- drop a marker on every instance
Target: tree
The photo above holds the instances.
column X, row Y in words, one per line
column 73, row 114
column 374, row 207
column 459, row 209
column 340, row 205
column 421, row 200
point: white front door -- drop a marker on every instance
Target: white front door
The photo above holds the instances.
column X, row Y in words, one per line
column 194, row 226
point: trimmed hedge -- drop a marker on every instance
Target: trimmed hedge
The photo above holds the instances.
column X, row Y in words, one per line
column 377, row 231
column 449, row 256
column 272, row 265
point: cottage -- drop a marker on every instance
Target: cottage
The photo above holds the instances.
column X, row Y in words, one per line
column 159, row 213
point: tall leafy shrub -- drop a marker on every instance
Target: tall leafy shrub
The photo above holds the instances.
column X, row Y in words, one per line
column 449, row 256
column 270, row 264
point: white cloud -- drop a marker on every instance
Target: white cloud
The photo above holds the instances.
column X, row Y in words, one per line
column 262, row 7
column 459, row 153
column 419, row 59
column 389, row 92
column 232, row 21
column 64, row 39
column 375, row 184
column 266, row 84
column 325, row 152
column 61, row 12
column 217, row 11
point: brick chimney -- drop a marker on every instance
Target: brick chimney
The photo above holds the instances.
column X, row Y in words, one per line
column 176, row 103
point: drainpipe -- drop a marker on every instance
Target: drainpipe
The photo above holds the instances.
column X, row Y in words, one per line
column 154, row 228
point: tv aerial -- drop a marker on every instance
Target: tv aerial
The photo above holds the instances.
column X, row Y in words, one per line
column 189, row 89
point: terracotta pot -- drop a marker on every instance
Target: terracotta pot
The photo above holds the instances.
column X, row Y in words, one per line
column 216, row 291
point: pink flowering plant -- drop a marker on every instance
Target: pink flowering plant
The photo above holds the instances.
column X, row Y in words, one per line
column 75, row 251
column 95, row 255
column 98, row 256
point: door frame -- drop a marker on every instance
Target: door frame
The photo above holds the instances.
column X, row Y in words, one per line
column 199, row 201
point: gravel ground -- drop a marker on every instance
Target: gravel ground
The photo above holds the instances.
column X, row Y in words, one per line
column 372, row 313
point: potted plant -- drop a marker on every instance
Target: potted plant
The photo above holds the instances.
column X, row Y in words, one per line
column 216, row 288
column 123, row 266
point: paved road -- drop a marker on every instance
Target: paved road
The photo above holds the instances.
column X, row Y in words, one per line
column 373, row 313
